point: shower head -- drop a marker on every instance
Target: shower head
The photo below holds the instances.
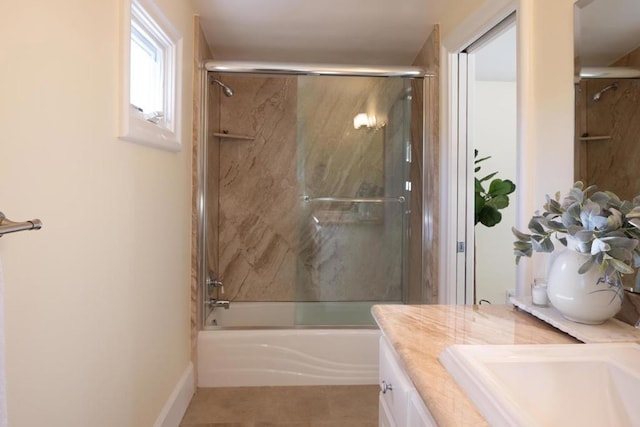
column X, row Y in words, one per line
column 225, row 89
column 598, row 94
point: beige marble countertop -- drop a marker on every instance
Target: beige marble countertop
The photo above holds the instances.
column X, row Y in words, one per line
column 419, row 333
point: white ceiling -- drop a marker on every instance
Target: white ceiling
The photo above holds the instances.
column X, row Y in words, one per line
column 374, row 32
column 609, row 29
column 378, row 32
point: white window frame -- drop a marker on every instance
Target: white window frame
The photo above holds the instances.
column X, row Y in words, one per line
column 134, row 125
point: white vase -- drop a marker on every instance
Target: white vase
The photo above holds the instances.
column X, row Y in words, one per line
column 588, row 298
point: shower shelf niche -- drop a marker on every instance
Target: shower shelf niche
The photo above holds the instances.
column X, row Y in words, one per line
column 233, row 136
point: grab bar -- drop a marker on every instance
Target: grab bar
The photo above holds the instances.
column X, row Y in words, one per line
column 400, row 199
column 8, row 226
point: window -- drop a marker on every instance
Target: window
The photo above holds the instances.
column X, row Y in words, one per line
column 151, row 56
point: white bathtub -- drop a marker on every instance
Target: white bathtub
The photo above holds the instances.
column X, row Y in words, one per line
column 237, row 356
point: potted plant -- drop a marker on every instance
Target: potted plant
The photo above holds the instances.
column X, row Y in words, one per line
column 601, row 234
column 488, row 203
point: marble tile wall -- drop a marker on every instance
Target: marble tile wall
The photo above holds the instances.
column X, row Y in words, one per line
column 274, row 246
column 424, row 244
column 258, row 189
column 611, row 164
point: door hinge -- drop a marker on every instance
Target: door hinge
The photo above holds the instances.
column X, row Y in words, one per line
column 460, row 247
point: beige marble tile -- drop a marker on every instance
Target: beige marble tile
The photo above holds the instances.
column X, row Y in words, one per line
column 295, row 405
column 420, row 333
column 225, row 405
column 271, row 245
column 353, row 403
column 424, row 244
column 284, row 406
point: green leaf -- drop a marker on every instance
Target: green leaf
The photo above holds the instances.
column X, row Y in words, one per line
column 535, row 226
column 584, row 235
column 620, row 266
column 541, row 244
column 563, row 240
column 553, row 206
column 600, row 198
column 488, row 177
column 556, row 226
column 576, row 194
column 481, row 160
column 499, row 202
column 547, row 245
column 586, row 266
column 521, row 246
column 501, row 187
column 520, row 235
column 621, row 254
column 574, row 210
column 489, row 216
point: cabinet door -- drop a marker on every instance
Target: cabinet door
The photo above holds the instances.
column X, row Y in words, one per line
column 394, row 384
column 384, row 414
column 419, row 415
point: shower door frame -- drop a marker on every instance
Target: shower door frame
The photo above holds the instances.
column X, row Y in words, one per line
column 282, row 69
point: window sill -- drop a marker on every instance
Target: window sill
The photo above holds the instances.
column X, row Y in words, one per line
column 144, row 132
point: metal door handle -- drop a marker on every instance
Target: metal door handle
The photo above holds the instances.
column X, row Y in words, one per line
column 385, row 386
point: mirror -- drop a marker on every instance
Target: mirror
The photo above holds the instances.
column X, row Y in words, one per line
column 606, row 32
column 607, row 117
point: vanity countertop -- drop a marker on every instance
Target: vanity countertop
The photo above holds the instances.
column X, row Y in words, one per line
column 419, row 333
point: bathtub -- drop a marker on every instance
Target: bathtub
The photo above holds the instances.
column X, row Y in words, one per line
column 279, row 353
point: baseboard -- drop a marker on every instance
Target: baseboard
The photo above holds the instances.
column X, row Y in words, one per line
column 178, row 401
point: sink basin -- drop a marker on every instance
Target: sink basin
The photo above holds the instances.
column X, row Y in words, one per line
column 548, row 384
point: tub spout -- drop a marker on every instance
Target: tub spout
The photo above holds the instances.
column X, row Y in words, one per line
column 218, row 303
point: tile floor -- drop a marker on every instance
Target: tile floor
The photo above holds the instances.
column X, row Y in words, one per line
column 316, row 406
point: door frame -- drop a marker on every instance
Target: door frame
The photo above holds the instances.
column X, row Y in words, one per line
column 457, row 166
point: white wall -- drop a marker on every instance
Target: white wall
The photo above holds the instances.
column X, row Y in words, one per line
column 494, row 131
column 97, row 302
column 545, row 113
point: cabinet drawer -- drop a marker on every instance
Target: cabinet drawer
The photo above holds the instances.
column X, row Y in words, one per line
column 394, row 384
column 419, row 415
column 384, row 414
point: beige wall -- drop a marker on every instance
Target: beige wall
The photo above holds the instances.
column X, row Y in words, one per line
column 97, row 302
column 545, row 114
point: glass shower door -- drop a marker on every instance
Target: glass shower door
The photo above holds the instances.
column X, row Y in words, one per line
column 308, row 196
column 353, row 172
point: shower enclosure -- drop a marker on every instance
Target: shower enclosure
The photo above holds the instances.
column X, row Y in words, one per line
column 306, row 186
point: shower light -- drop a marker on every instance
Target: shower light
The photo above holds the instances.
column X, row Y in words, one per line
column 364, row 120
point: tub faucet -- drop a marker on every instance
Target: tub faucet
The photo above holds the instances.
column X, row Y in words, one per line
column 218, row 303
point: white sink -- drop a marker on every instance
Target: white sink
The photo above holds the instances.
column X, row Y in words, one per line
column 550, row 385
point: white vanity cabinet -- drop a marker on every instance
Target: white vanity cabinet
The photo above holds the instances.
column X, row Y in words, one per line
column 400, row 405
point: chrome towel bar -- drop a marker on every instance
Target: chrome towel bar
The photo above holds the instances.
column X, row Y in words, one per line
column 399, row 199
column 8, row 226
